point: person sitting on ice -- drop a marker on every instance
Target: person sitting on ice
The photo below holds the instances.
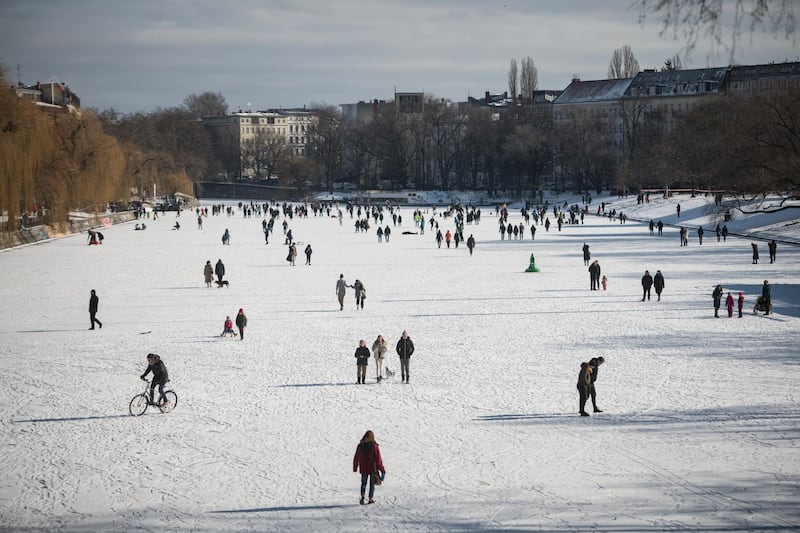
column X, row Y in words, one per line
column 228, row 328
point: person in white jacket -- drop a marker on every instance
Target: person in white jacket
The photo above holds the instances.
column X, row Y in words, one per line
column 379, row 348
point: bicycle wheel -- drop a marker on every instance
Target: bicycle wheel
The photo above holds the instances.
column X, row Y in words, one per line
column 170, row 402
column 138, row 405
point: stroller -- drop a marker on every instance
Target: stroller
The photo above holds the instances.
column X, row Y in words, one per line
column 762, row 305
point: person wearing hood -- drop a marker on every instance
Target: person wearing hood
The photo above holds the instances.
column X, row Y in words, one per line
column 647, row 282
column 658, row 283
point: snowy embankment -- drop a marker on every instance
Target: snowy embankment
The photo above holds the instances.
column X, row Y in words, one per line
column 700, row 429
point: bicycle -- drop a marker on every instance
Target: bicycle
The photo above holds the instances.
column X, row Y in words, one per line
column 140, row 402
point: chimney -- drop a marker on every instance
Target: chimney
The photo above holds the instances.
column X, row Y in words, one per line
column 486, row 96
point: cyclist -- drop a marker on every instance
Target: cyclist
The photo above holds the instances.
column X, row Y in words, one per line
column 160, row 376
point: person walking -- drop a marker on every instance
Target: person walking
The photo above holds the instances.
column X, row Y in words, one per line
column 94, row 301
column 766, row 295
column 341, row 288
column 717, row 295
column 470, row 243
column 362, row 359
column 361, row 293
column 594, row 363
column 658, row 283
column 308, row 251
column 241, row 323
column 292, row 253
column 772, row 246
column 404, row 348
column 219, row 270
column 368, row 461
column 208, row 274
column 647, row 282
column 586, row 255
column 379, row 349
column 755, row 252
column 741, row 303
column 584, row 382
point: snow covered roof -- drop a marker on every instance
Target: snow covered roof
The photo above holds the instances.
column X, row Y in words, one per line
column 593, row 91
column 677, row 82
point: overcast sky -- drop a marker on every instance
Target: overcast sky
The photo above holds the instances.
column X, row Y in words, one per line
column 140, row 55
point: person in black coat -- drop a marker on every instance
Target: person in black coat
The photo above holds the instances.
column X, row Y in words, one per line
column 404, row 348
column 658, row 283
column 219, row 270
column 362, row 357
column 717, row 295
column 766, row 295
column 93, row 303
column 586, row 254
column 241, row 323
column 594, row 363
column 160, row 376
column 584, row 382
column 647, row 282
column 755, row 252
column 773, row 249
column 594, row 276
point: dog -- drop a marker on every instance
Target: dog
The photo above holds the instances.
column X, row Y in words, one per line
column 389, row 373
column 223, row 283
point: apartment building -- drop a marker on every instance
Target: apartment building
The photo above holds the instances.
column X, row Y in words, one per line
column 232, row 135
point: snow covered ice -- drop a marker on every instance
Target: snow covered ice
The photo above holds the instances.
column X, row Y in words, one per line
column 700, row 429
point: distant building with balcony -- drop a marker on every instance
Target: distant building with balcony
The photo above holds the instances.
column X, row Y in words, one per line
column 231, row 134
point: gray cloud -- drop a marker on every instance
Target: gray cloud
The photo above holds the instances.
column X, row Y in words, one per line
column 146, row 54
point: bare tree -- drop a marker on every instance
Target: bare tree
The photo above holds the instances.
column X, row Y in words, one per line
column 512, row 80
column 529, row 79
column 623, row 64
column 207, row 104
column 263, row 153
column 693, row 19
column 326, row 143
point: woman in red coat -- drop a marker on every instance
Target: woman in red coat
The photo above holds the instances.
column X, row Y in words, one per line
column 368, row 460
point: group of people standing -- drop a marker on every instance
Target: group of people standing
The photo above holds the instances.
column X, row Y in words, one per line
column 764, row 302
column 404, row 349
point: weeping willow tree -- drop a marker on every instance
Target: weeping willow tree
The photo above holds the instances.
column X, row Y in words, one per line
column 85, row 171
column 24, row 147
column 52, row 162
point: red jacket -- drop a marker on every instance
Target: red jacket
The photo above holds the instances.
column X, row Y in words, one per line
column 368, row 458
